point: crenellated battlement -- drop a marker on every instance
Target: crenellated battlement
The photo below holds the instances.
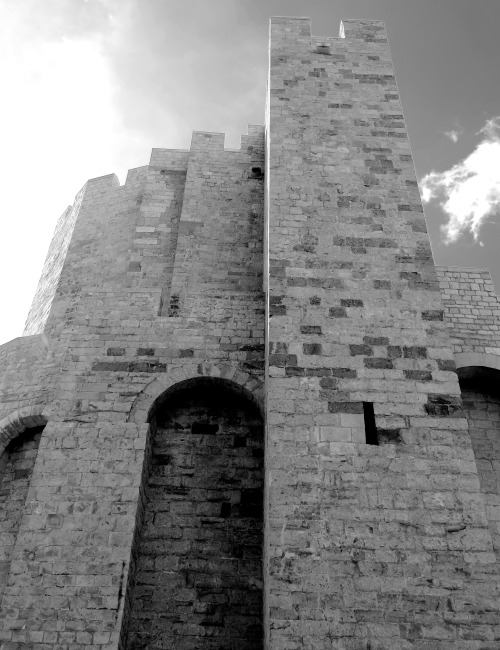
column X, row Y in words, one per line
column 293, row 32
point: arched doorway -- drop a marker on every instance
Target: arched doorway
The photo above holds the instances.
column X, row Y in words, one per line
column 198, row 575
column 480, row 388
column 16, row 467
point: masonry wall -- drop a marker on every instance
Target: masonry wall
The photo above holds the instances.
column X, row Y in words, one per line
column 374, row 546
column 472, row 310
column 107, row 351
column 363, row 540
column 199, row 556
column 16, row 467
column 482, row 406
column 47, row 286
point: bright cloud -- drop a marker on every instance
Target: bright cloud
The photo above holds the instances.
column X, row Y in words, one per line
column 454, row 134
column 89, row 87
column 59, row 125
column 468, row 192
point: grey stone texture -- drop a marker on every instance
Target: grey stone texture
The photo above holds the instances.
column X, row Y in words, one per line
column 16, row 466
column 482, row 406
column 472, row 308
column 289, row 282
column 199, row 566
column 363, row 540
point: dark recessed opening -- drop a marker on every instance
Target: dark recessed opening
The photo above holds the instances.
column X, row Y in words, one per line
column 256, row 172
column 201, row 531
column 370, row 426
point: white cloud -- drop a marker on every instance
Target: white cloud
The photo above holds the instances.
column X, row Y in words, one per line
column 468, row 192
column 454, row 134
column 59, row 125
column 89, row 87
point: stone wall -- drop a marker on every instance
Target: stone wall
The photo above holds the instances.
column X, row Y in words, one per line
column 108, row 350
column 363, row 539
column 16, row 468
column 27, row 374
column 482, row 406
column 47, row 286
column 472, row 310
column 472, row 313
column 376, row 533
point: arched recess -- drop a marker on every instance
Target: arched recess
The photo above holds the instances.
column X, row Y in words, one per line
column 20, row 435
column 480, row 388
column 146, row 402
column 197, row 580
column 18, row 421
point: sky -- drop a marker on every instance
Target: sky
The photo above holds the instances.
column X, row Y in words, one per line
column 90, row 86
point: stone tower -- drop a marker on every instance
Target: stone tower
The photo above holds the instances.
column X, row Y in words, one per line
column 235, row 420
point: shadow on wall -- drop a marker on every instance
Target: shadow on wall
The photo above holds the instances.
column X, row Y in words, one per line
column 16, row 467
column 480, row 388
column 198, row 556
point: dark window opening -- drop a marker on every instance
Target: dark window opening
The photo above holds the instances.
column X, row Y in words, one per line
column 174, row 307
column 323, row 49
column 370, row 426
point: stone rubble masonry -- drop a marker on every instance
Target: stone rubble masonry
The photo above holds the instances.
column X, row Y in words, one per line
column 297, row 270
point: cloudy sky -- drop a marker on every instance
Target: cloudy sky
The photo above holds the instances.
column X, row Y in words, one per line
column 90, row 86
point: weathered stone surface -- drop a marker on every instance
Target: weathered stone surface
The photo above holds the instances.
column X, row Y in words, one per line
column 139, row 521
column 109, row 347
column 341, row 567
column 16, row 468
column 199, row 556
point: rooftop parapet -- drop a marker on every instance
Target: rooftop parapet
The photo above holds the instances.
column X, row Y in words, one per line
column 214, row 141
column 366, row 30
column 293, row 31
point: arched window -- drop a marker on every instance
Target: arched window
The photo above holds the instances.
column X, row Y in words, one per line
column 198, row 575
column 480, row 388
column 16, row 466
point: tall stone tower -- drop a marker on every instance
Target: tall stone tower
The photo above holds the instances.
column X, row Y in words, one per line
column 235, row 420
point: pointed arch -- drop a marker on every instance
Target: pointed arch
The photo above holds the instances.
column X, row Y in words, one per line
column 162, row 385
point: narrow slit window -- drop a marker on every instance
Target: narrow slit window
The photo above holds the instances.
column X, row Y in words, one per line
column 370, row 426
column 323, row 48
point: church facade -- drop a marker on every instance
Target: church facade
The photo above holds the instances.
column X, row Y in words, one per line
column 248, row 411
